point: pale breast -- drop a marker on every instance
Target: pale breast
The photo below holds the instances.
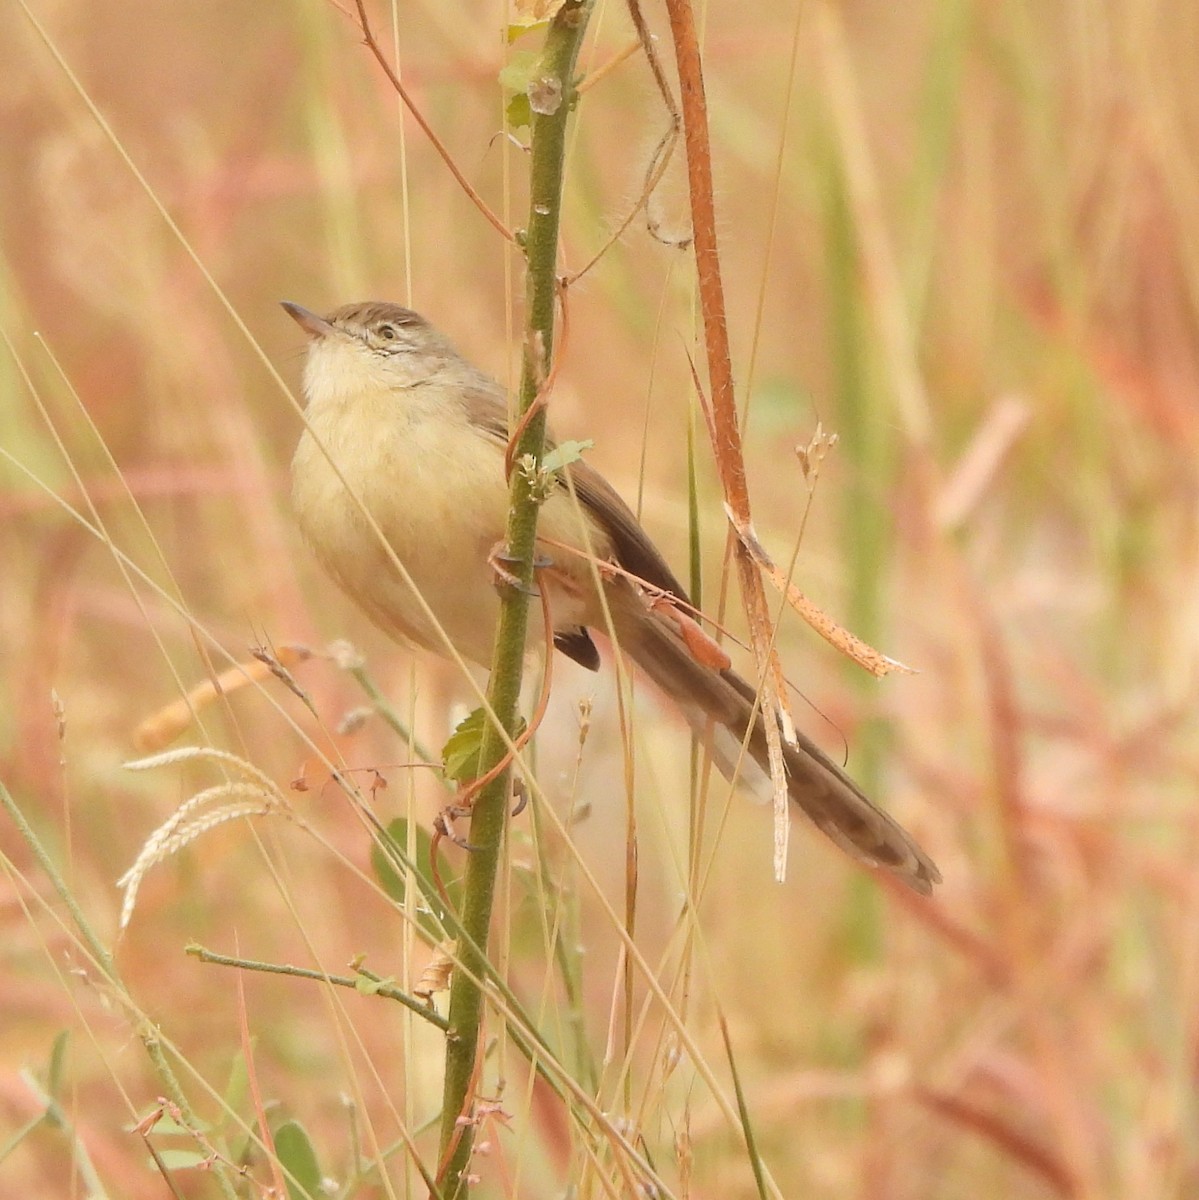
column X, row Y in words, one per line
column 435, row 489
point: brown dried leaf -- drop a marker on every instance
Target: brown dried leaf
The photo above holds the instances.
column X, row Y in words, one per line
column 703, row 649
column 436, row 975
column 877, row 663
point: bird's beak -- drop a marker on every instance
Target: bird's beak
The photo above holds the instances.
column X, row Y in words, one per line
column 308, row 321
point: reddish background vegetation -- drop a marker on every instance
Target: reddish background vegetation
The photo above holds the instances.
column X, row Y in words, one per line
column 963, row 238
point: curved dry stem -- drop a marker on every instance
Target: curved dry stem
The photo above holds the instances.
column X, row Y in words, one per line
column 373, row 46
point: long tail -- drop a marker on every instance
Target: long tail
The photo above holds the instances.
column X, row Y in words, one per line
column 827, row 796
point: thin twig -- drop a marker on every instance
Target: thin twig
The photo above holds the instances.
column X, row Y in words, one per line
column 378, row 987
column 660, row 159
column 373, row 46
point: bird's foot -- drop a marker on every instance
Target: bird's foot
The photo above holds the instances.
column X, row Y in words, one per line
column 500, row 561
column 463, row 805
column 443, row 824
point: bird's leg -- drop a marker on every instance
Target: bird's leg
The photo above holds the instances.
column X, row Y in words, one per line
column 443, row 823
column 499, row 560
column 463, row 805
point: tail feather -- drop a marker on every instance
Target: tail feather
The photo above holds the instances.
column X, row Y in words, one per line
column 825, row 793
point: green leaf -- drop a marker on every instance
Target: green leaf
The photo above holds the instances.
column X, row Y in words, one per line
column 517, row 78
column 371, row 987
column 299, row 1158
column 518, row 26
column 520, row 112
column 460, row 754
column 517, row 73
column 564, row 454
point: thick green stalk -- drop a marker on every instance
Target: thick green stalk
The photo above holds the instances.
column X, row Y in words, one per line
column 552, row 96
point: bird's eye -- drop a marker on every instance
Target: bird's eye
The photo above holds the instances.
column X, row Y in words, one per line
column 388, row 332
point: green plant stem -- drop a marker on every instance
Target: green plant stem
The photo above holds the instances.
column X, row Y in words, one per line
column 553, row 79
column 378, row 987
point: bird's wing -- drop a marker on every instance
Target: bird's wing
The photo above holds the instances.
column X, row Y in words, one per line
column 632, row 548
column 631, row 545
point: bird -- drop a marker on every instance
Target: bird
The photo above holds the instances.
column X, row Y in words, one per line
column 399, row 423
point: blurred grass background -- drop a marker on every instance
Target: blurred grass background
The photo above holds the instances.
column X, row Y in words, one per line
column 965, row 238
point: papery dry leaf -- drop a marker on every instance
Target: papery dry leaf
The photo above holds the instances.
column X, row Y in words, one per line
column 864, row 655
column 703, row 649
column 436, row 975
